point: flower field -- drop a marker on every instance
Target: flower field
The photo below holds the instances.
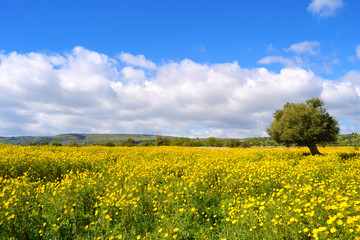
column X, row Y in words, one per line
column 178, row 193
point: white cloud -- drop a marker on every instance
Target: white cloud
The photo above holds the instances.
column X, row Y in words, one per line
column 306, row 47
column 343, row 98
column 138, row 60
column 85, row 91
column 324, row 8
column 358, row 51
column 287, row 62
column 133, row 75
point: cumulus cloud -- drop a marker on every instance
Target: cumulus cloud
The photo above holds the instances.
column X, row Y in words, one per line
column 306, row 47
column 138, row 60
column 358, row 51
column 324, row 8
column 86, row 91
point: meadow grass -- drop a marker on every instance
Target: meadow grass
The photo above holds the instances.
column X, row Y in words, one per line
column 178, row 193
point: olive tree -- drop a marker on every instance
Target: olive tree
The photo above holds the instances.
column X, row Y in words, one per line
column 304, row 125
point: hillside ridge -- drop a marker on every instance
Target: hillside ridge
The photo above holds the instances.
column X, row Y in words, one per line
column 88, row 139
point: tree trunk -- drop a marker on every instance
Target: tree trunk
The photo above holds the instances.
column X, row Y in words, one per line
column 313, row 149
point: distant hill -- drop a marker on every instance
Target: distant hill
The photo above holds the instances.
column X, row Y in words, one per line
column 88, row 139
column 79, row 138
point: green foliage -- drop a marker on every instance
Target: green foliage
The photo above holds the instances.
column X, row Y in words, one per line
column 352, row 139
column 128, row 143
column 186, row 142
column 162, row 141
column 56, row 144
column 32, row 144
column 146, row 144
column 304, row 125
column 245, row 145
column 213, row 142
column 74, row 144
column 81, row 139
column 233, row 143
column 46, row 143
column 109, row 144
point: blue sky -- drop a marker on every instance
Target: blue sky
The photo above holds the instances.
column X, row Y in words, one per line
column 183, row 68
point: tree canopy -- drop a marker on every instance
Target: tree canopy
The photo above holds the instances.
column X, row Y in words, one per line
column 304, row 125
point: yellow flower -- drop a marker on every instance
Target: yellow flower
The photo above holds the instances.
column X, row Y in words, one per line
column 176, row 229
column 332, row 230
column 331, row 220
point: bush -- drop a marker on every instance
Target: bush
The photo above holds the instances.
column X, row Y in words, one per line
column 162, row 141
column 109, row 144
column 44, row 144
column 74, row 144
column 128, row 143
column 212, row 142
column 245, row 145
column 233, row 143
column 147, row 144
column 56, row 144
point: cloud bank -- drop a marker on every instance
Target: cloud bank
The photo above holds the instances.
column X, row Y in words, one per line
column 86, row 91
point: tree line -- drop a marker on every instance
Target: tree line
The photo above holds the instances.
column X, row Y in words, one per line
column 297, row 124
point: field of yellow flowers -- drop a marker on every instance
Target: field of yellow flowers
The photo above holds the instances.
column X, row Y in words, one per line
column 178, row 193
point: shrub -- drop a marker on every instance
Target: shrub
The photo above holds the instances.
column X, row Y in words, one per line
column 128, row 143
column 74, row 144
column 44, row 143
column 212, row 142
column 233, row 143
column 162, row 141
column 56, row 144
column 109, row 144
column 147, row 143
